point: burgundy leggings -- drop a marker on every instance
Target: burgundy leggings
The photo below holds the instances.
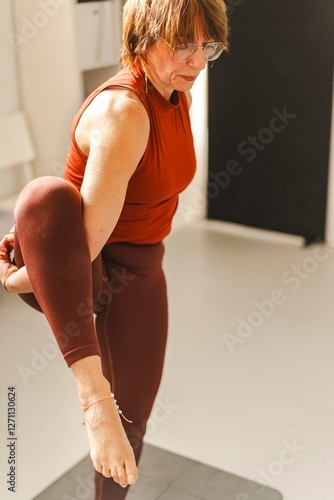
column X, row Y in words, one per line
column 125, row 288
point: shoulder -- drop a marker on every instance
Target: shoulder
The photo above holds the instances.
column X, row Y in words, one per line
column 111, row 112
column 116, row 104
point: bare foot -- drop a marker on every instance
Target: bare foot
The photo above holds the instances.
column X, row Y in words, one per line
column 110, row 450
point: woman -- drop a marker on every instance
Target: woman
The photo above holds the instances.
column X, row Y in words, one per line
column 92, row 242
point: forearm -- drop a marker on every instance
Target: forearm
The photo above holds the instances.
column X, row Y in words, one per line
column 100, row 215
column 90, row 380
column 18, row 282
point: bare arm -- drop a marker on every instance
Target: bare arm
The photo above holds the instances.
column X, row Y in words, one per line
column 113, row 133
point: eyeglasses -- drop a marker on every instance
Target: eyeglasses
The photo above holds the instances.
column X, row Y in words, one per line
column 184, row 51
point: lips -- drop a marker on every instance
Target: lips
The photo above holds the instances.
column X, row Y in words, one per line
column 189, row 78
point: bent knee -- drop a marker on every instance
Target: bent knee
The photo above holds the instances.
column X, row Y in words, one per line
column 42, row 192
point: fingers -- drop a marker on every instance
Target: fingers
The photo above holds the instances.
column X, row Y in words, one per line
column 7, row 243
column 10, row 239
column 3, row 241
column 5, row 250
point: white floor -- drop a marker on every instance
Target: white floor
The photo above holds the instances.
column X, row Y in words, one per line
column 248, row 380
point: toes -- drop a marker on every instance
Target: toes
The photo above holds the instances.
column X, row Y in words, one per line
column 125, row 474
column 106, row 472
column 131, row 474
column 121, row 475
column 132, row 478
column 97, row 465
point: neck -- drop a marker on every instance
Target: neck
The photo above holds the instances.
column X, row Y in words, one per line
column 149, row 75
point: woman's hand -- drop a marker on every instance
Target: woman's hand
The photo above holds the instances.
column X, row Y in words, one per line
column 6, row 265
column 14, row 280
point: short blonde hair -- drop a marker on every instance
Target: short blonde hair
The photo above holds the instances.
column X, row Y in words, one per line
column 146, row 21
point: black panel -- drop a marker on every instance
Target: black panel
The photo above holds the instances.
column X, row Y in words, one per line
column 270, row 112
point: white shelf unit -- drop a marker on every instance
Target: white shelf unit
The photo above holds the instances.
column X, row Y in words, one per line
column 98, row 33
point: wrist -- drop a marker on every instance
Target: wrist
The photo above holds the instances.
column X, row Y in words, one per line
column 17, row 281
column 7, row 283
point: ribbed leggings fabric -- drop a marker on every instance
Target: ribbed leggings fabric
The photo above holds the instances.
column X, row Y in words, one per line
column 124, row 287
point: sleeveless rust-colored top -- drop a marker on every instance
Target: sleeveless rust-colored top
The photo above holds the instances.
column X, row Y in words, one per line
column 166, row 168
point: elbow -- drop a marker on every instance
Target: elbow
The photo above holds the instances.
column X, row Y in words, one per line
column 94, row 252
column 94, row 248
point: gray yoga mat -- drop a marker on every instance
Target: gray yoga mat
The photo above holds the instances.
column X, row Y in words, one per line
column 164, row 476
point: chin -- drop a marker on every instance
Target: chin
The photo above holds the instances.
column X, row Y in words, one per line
column 184, row 86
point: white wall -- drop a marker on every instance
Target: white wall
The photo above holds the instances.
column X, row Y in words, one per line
column 50, row 83
column 193, row 201
column 330, row 192
column 9, row 98
column 9, row 95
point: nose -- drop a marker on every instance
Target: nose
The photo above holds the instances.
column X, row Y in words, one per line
column 198, row 61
